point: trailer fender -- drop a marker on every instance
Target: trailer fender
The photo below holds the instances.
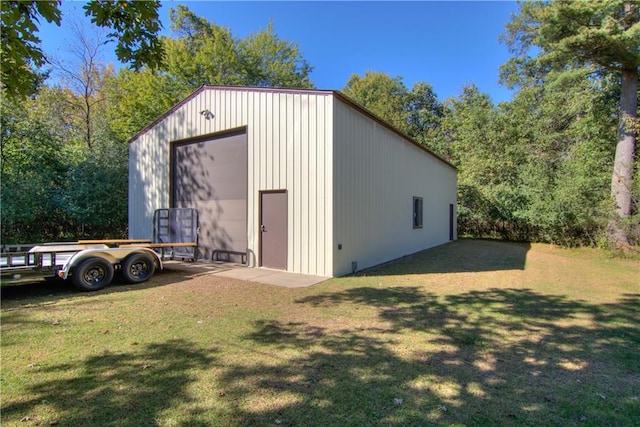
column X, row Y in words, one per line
column 113, row 256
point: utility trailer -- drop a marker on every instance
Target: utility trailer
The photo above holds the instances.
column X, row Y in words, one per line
column 92, row 264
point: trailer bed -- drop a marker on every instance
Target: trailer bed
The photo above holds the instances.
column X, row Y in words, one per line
column 92, row 263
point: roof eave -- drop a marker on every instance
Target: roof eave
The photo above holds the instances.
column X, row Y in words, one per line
column 406, row 137
column 339, row 95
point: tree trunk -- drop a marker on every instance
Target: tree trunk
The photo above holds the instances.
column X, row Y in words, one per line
column 621, row 181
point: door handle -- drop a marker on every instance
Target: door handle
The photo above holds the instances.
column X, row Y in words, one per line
column 262, row 228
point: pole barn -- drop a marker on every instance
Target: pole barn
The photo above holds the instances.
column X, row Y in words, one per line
column 304, row 181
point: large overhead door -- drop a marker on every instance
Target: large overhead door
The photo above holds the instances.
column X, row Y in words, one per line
column 211, row 176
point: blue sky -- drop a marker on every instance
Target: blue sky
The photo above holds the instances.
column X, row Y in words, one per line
column 446, row 44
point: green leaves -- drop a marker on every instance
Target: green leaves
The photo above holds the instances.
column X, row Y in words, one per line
column 33, row 170
column 138, row 98
column 536, row 168
column 269, row 61
column 382, row 94
column 553, row 40
column 416, row 112
column 208, row 54
column 21, row 53
column 135, row 26
column 203, row 54
column 64, row 152
column 562, row 34
column 606, row 33
column 54, row 187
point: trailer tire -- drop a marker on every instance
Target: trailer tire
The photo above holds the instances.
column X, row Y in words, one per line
column 93, row 274
column 138, row 268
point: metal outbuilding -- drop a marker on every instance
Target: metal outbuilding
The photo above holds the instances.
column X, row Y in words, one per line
column 305, row 181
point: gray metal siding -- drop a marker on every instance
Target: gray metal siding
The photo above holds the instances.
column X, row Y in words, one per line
column 211, row 176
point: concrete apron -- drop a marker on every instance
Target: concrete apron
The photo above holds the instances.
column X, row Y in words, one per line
column 248, row 274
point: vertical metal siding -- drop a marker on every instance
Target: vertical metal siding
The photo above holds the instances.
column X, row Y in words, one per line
column 289, row 138
column 376, row 175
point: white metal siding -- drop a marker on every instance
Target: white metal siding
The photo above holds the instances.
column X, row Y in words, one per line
column 376, row 175
column 289, row 148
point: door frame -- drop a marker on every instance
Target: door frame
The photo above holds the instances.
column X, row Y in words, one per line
column 260, row 242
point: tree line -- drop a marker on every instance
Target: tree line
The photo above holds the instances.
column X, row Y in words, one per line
column 554, row 164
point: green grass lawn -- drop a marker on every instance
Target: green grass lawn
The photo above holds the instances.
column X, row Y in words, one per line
column 470, row 333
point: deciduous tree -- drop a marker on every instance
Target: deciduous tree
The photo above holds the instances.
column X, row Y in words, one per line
column 381, row 94
column 416, row 112
column 83, row 73
column 202, row 53
column 134, row 25
column 136, row 98
column 206, row 53
column 269, row 61
column 34, row 163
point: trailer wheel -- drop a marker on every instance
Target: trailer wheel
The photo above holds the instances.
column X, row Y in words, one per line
column 92, row 274
column 138, row 268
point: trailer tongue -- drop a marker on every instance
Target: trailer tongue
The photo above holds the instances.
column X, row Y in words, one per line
column 92, row 264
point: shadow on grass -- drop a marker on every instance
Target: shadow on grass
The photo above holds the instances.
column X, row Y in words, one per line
column 52, row 288
column 124, row 389
column 498, row 357
column 460, row 256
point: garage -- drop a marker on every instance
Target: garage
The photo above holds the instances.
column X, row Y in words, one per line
column 210, row 175
column 305, row 181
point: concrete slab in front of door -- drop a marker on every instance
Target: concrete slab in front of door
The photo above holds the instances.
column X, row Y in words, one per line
column 272, row 277
column 241, row 272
